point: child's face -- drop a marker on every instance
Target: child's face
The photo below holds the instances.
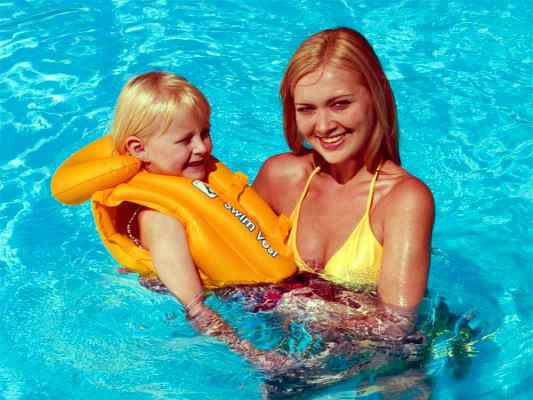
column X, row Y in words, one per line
column 183, row 150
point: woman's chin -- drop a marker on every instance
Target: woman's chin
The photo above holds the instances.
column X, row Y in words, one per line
column 334, row 157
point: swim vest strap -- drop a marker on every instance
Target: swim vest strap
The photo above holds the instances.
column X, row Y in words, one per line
column 238, row 184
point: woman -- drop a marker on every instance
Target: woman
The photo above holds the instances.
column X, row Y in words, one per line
column 358, row 217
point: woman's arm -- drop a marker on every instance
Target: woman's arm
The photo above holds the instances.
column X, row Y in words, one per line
column 166, row 239
column 408, row 224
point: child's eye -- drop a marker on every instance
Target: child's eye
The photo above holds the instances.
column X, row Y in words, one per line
column 185, row 140
column 205, row 133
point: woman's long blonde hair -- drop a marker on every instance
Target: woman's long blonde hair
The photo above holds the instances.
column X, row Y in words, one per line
column 154, row 97
column 344, row 48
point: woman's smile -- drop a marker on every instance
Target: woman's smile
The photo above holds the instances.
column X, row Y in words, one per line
column 333, row 142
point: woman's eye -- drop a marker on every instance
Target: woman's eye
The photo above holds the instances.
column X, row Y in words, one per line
column 304, row 109
column 341, row 105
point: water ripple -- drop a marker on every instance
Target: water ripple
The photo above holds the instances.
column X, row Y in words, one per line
column 22, row 19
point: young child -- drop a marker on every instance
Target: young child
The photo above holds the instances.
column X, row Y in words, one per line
column 163, row 121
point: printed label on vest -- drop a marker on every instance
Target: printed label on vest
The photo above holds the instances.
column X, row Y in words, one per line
column 241, row 217
column 250, row 226
column 204, row 188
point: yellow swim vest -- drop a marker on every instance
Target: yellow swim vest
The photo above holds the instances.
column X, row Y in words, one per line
column 234, row 236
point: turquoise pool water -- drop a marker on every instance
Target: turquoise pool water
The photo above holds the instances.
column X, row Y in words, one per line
column 72, row 327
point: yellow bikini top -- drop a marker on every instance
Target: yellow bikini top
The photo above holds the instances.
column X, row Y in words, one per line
column 358, row 260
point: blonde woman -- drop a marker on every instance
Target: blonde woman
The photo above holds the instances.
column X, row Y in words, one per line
column 358, row 217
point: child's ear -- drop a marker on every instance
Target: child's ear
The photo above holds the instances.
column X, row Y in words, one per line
column 136, row 148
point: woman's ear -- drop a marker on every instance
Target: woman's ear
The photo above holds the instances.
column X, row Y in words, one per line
column 136, row 148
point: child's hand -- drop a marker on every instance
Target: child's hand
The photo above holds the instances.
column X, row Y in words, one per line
column 271, row 361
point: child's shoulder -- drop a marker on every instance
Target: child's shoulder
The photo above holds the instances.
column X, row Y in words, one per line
column 156, row 226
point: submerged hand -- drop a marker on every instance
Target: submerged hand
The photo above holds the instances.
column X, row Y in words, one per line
column 270, row 360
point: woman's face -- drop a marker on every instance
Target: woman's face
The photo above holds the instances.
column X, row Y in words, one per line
column 183, row 149
column 334, row 113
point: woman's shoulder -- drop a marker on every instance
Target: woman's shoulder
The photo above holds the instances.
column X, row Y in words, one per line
column 281, row 179
column 287, row 167
column 405, row 189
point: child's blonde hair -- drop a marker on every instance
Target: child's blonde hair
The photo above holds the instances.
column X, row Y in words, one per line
column 150, row 98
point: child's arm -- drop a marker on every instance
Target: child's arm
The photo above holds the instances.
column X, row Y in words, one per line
column 166, row 239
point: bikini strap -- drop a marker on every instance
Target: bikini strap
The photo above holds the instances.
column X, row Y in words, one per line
column 371, row 190
column 308, row 183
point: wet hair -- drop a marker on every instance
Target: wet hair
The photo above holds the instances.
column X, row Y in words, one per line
column 347, row 49
column 154, row 98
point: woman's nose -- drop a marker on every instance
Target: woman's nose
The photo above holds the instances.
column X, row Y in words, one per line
column 324, row 123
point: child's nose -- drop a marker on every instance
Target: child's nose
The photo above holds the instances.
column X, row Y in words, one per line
column 199, row 146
